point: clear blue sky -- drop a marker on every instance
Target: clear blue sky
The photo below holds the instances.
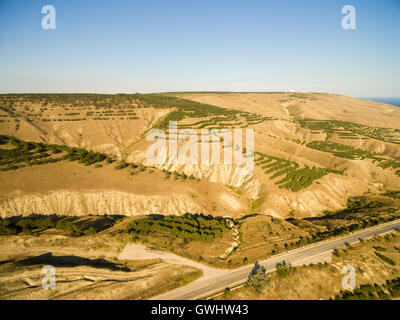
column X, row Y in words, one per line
column 230, row 45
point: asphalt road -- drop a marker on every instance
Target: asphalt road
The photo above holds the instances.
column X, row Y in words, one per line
column 204, row 287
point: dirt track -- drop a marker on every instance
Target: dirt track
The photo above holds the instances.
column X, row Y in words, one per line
column 140, row 252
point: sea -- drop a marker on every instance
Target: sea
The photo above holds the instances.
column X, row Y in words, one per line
column 395, row 101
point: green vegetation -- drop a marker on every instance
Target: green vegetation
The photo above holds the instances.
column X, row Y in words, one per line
column 348, row 152
column 35, row 224
column 183, row 176
column 27, row 153
column 386, row 291
column 283, row 269
column 25, row 225
column 392, row 164
column 386, row 259
column 66, row 98
column 341, row 150
column 361, row 212
column 122, row 165
column 189, row 227
column 69, row 226
column 294, row 177
column 257, row 279
column 28, row 225
column 219, row 117
column 350, row 129
column 392, row 194
column 361, row 202
column 95, row 106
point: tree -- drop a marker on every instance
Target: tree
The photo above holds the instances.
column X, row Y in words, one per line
column 283, row 269
column 257, row 279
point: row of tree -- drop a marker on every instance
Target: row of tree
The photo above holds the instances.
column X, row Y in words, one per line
column 189, row 227
column 28, row 225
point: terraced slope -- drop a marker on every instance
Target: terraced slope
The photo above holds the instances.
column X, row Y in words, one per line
column 312, row 151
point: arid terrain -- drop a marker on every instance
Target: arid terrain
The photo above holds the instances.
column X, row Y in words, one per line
column 324, row 280
column 76, row 187
column 354, row 145
column 86, row 268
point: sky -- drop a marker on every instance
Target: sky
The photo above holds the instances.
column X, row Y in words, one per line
column 210, row 45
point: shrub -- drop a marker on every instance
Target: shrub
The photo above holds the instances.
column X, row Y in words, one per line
column 257, row 279
column 386, row 259
column 283, row 269
column 121, row 165
column 90, row 231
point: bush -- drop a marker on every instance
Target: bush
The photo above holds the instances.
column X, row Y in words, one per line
column 121, row 165
column 386, row 259
column 257, row 279
column 283, row 269
column 90, row 231
column 69, row 226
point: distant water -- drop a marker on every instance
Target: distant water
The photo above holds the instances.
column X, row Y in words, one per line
column 395, row 101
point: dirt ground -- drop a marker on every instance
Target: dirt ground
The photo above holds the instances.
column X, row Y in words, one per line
column 120, row 129
column 73, row 189
column 86, row 268
column 139, row 252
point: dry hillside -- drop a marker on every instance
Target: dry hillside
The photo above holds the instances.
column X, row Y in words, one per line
column 312, row 152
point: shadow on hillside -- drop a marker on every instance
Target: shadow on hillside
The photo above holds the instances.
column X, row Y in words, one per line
column 71, row 261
